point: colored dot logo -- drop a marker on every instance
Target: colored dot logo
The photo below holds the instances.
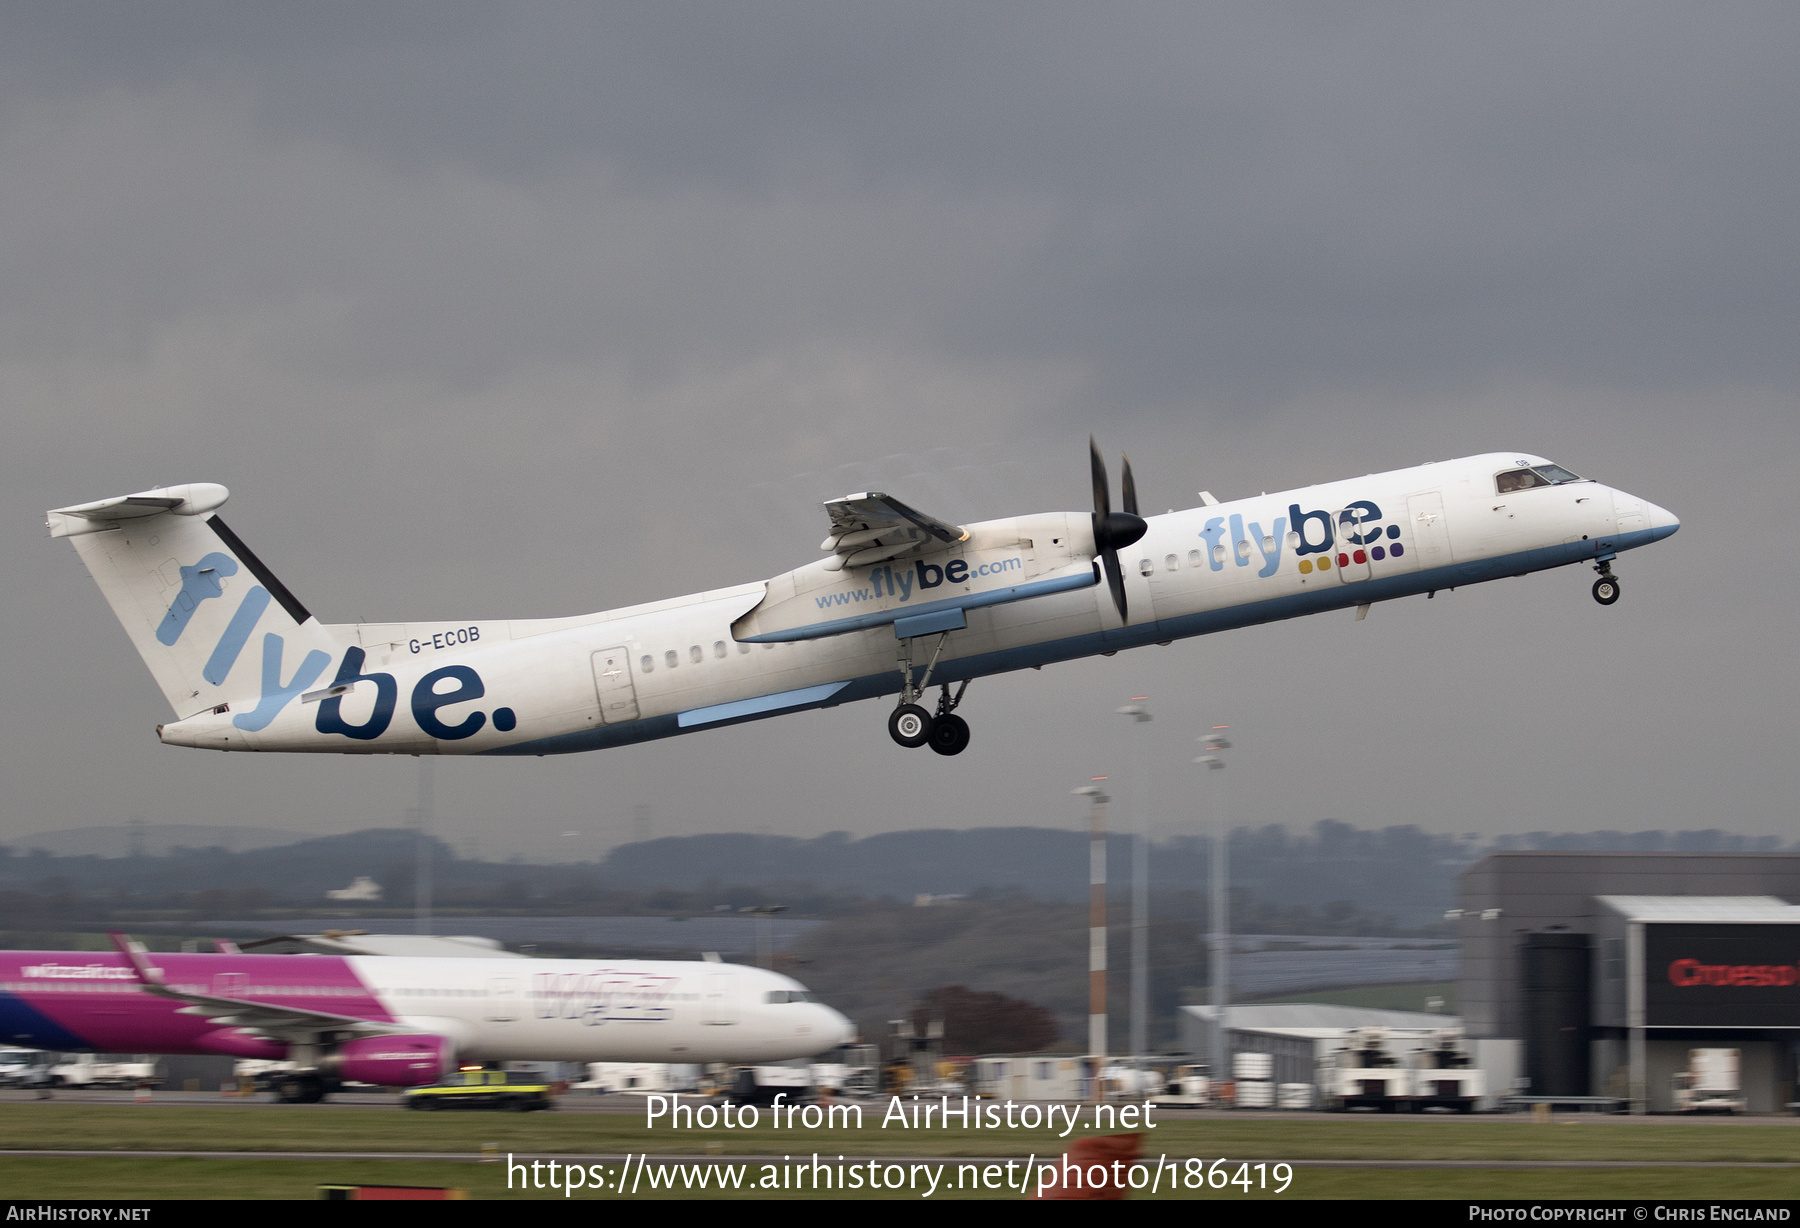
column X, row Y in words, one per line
column 1359, row 556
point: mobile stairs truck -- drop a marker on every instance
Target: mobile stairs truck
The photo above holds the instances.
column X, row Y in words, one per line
column 1442, row 1076
column 1364, row 1074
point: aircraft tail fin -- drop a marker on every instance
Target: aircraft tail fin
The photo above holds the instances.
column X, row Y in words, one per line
column 209, row 618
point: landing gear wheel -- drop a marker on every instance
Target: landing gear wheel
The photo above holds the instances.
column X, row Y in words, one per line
column 910, row 725
column 300, row 1089
column 1606, row 590
column 950, row 735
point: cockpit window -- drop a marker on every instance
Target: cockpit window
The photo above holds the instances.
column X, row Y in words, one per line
column 1537, row 475
column 788, row 995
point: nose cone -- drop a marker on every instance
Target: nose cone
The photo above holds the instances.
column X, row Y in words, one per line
column 1663, row 522
column 839, row 1028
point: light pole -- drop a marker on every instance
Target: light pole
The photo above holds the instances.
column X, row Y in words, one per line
column 1096, row 924
column 1213, row 742
column 765, row 931
column 1140, row 881
column 422, row 822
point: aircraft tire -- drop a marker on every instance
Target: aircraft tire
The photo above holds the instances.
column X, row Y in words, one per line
column 950, row 734
column 1606, row 590
column 910, row 725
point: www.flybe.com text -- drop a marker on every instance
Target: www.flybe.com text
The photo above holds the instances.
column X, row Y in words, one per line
column 920, row 577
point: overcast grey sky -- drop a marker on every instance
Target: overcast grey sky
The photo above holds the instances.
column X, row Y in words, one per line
column 524, row 310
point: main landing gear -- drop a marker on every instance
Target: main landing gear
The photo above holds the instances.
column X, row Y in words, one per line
column 299, row 1089
column 911, row 725
column 1606, row 588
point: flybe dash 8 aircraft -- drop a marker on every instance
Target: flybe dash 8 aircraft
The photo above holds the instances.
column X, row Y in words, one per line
column 404, row 1022
column 899, row 601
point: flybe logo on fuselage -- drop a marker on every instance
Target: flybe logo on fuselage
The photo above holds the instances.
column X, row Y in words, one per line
column 920, row 578
column 1352, row 532
column 438, row 689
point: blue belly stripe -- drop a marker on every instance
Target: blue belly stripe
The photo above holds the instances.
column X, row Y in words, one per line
column 762, row 705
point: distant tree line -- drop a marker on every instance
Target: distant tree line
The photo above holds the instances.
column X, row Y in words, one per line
column 1331, row 879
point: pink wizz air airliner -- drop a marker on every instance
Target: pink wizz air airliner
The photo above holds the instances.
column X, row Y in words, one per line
column 403, row 1022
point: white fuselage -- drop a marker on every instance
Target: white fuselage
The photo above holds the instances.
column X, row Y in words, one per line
column 1028, row 588
column 576, row 1010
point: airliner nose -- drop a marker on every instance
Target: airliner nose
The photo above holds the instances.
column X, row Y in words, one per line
column 1663, row 522
column 840, row 1026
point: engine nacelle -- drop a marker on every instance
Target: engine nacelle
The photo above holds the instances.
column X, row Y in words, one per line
column 236, row 1042
column 391, row 1061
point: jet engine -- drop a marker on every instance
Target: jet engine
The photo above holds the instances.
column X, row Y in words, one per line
column 391, row 1061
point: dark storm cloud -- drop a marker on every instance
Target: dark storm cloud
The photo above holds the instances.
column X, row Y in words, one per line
column 524, row 310
column 1250, row 198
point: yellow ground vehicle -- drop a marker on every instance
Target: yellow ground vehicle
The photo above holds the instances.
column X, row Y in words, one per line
column 519, row 1091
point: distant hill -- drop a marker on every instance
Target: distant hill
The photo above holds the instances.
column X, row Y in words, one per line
column 154, row 839
column 1331, row 879
column 1402, row 872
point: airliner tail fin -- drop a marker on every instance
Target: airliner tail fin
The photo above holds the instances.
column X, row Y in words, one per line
column 208, row 617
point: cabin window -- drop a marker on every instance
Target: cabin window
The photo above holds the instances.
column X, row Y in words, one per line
column 648, row 663
column 1243, row 550
column 1268, row 544
column 695, row 655
column 719, row 649
column 1173, row 562
column 1219, row 553
column 670, row 659
column 743, row 649
column 1145, row 567
column 1195, row 558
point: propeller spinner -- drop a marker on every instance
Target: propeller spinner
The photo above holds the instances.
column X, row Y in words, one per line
column 1113, row 531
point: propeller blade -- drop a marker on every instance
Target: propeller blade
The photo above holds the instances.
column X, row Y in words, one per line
column 1115, row 581
column 1102, row 488
column 1113, row 531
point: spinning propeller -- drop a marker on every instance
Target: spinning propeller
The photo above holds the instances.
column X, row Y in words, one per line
column 1113, row 531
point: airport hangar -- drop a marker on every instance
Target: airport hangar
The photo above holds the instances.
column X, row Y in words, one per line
column 1607, row 968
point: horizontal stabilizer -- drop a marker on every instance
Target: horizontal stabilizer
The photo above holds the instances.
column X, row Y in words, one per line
column 193, row 499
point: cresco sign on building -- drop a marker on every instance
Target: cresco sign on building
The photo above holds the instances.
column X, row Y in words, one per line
column 1722, row 976
column 1687, row 973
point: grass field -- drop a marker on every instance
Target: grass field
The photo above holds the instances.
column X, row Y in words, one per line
column 251, row 1129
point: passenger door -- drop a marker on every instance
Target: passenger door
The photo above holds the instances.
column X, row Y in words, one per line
column 721, row 999
column 613, row 686
column 1430, row 532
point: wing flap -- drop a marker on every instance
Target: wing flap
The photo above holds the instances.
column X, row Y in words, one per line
column 872, row 518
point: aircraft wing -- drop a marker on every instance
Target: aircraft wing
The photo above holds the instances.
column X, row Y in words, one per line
column 277, row 1022
column 870, row 527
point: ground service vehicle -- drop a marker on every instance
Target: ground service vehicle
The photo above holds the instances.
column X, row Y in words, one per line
column 515, row 1091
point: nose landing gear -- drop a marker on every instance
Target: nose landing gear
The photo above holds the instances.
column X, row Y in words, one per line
column 1606, row 588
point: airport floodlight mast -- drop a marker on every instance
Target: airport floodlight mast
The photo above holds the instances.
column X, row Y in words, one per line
column 422, row 823
column 1140, row 880
column 1213, row 742
column 1096, row 924
column 765, row 931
